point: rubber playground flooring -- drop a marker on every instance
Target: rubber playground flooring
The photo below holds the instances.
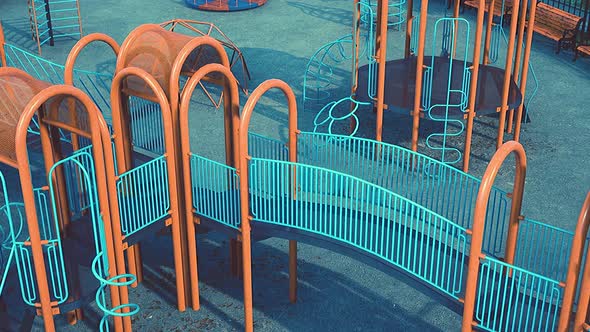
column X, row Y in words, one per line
column 336, row 293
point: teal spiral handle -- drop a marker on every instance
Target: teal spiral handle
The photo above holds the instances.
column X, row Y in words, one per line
column 117, row 311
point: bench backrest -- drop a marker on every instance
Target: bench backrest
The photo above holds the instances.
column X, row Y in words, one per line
column 555, row 19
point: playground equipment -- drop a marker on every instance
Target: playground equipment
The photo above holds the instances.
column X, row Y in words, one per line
column 224, row 5
column 53, row 19
column 48, row 272
column 461, row 236
column 450, row 86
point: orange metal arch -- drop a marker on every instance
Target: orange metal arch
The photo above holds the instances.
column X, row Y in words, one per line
column 2, row 41
column 123, row 156
column 73, row 56
column 98, row 131
column 244, row 185
column 479, row 217
column 232, row 118
column 580, row 320
column 131, row 37
column 181, row 58
column 79, row 46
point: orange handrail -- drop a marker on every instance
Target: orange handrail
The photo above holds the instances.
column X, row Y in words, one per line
column 479, row 219
column 118, row 103
column 581, row 319
column 244, row 185
column 79, row 46
column 2, row 41
column 98, row 131
column 232, row 118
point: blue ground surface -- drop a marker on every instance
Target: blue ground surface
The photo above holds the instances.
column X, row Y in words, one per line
column 336, row 292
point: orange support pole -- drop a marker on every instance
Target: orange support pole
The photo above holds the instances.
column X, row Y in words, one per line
column 479, row 219
column 573, row 271
column 409, row 24
column 2, row 42
column 244, row 183
column 381, row 45
column 231, row 117
column 473, row 87
column 516, row 72
column 507, row 75
column 419, row 74
column 118, row 127
column 525, row 67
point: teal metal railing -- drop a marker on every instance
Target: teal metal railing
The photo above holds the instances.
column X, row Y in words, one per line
column 215, row 190
column 362, row 215
column 260, row 146
column 147, row 129
column 428, row 182
column 514, row 299
column 144, row 195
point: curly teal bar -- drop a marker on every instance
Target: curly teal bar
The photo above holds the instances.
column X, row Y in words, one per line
column 100, row 271
column 455, row 98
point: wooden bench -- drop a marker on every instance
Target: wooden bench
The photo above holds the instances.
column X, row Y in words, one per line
column 557, row 24
column 582, row 42
column 497, row 6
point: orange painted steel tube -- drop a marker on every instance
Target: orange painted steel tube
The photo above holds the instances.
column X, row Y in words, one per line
column 79, row 46
column 489, row 24
column 409, row 23
column 381, row 42
column 244, row 178
column 479, row 219
column 116, row 105
column 232, row 115
column 419, row 74
column 571, row 283
column 174, row 93
column 473, row 87
column 525, row 67
column 518, row 57
column 98, row 130
column 2, row 42
column 507, row 74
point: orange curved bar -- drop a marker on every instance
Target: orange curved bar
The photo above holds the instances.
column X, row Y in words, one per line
column 79, row 46
column 580, row 320
column 118, row 110
column 131, row 37
column 473, row 85
column 232, row 116
column 244, row 181
column 2, row 41
column 98, row 131
column 183, row 56
column 479, row 217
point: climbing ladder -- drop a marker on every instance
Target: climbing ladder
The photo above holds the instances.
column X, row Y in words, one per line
column 52, row 19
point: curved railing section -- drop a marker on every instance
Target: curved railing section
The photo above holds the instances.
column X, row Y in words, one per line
column 426, row 181
column 363, row 215
column 324, row 71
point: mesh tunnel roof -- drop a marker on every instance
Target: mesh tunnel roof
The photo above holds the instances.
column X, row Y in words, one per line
column 17, row 89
